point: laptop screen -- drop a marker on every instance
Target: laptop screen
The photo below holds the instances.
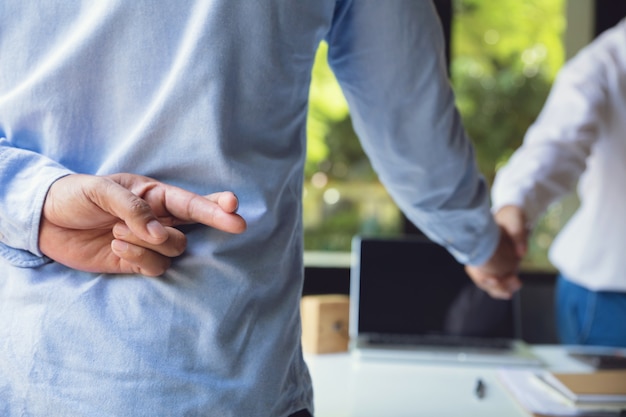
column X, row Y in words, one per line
column 413, row 286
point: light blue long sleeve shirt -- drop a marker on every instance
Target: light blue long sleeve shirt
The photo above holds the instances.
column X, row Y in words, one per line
column 208, row 96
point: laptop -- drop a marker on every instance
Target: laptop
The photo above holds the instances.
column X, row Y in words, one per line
column 411, row 300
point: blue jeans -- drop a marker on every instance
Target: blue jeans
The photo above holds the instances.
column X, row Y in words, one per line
column 587, row 317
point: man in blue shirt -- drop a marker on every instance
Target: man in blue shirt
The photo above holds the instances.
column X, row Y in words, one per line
column 174, row 290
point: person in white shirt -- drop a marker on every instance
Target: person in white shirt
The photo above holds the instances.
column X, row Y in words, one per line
column 578, row 141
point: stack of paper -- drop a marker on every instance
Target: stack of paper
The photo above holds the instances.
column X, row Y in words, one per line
column 602, row 389
column 544, row 393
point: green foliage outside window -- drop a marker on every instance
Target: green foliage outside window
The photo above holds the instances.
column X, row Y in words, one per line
column 504, row 57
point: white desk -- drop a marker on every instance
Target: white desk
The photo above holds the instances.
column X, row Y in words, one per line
column 345, row 387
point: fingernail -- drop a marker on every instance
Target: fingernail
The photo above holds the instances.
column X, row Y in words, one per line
column 237, row 206
column 156, row 229
column 120, row 230
column 119, row 245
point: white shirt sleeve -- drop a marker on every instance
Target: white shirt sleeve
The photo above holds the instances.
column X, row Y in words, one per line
column 553, row 156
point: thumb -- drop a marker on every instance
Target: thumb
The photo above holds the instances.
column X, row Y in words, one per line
column 134, row 211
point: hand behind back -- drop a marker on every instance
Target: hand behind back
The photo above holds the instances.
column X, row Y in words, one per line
column 123, row 223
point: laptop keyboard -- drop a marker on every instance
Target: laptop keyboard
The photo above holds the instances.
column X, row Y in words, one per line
column 445, row 341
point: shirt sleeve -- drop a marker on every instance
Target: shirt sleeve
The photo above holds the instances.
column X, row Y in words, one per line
column 389, row 59
column 556, row 147
column 25, row 178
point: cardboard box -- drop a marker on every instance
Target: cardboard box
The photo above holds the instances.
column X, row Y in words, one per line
column 325, row 321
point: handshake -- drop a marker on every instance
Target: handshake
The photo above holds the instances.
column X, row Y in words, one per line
column 498, row 276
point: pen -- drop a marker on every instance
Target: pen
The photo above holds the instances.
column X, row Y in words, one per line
column 479, row 391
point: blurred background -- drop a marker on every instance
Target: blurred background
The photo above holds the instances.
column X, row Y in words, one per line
column 503, row 56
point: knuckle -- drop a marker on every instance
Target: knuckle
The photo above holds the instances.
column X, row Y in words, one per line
column 181, row 245
column 175, row 245
column 138, row 206
column 156, row 269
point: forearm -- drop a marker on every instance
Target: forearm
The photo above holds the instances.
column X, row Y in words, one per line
column 417, row 144
column 556, row 147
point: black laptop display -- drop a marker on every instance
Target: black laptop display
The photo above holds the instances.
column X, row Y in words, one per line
column 410, row 295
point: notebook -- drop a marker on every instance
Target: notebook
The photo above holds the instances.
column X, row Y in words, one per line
column 411, row 300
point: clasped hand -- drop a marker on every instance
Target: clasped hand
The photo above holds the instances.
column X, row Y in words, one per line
column 498, row 276
column 124, row 223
